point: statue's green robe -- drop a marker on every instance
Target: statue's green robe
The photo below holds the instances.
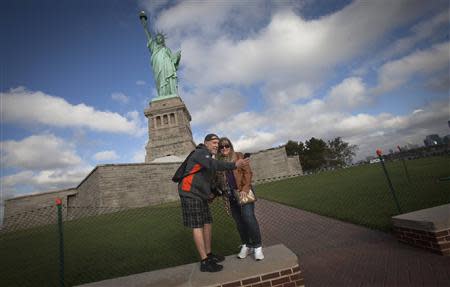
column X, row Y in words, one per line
column 164, row 66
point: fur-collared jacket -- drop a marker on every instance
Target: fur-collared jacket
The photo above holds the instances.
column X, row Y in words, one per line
column 243, row 177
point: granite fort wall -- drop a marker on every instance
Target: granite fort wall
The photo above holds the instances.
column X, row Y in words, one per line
column 127, row 185
column 33, row 210
column 136, row 185
column 114, row 187
column 295, row 168
column 274, row 164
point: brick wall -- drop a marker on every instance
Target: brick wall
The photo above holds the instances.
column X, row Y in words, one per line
column 291, row 277
column 437, row 242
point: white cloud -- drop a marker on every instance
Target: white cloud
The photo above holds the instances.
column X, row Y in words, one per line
column 214, row 107
column 289, row 58
column 423, row 30
column 210, row 20
column 120, row 97
column 282, row 93
column 252, row 131
column 139, row 156
column 347, row 95
column 46, row 180
column 106, row 155
column 22, row 106
column 255, row 141
column 41, row 162
column 439, row 83
column 427, row 31
column 39, row 152
column 141, row 83
column 287, row 47
column 388, row 131
column 395, row 73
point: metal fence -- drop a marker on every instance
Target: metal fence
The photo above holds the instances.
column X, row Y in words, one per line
column 66, row 246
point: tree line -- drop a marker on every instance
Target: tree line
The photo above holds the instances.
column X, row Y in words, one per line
column 316, row 153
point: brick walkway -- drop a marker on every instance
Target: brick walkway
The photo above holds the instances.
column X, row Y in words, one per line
column 335, row 253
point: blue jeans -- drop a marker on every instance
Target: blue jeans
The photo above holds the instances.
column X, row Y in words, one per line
column 246, row 223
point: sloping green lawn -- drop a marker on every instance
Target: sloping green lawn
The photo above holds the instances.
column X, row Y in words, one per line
column 108, row 246
column 361, row 194
column 150, row 238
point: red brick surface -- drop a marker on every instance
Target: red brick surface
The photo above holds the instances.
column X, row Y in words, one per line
column 232, row 284
column 251, row 280
column 335, row 253
column 295, row 277
column 270, row 276
column 434, row 241
column 281, row 280
column 286, row 272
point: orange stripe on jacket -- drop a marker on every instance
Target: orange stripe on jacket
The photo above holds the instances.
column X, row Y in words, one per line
column 187, row 181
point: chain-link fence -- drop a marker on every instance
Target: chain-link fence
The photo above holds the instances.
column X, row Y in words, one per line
column 107, row 242
column 101, row 243
column 362, row 194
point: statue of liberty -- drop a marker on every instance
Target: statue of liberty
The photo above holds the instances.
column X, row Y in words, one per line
column 164, row 63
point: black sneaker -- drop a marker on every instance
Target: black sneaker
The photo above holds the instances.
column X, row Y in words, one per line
column 216, row 257
column 208, row 265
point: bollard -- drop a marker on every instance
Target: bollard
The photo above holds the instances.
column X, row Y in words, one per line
column 61, row 242
column 391, row 187
column 404, row 165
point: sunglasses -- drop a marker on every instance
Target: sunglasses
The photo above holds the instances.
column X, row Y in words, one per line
column 224, row 146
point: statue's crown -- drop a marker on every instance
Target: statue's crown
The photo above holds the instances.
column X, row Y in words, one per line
column 161, row 33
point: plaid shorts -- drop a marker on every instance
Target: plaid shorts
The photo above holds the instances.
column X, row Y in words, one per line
column 195, row 212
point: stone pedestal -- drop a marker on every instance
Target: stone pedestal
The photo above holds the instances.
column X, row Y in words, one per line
column 427, row 228
column 169, row 129
column 279, row 268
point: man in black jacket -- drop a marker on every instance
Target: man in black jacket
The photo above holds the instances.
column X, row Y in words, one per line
column 195, row 190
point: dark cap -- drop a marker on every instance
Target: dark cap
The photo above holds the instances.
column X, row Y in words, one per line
column 210, row 137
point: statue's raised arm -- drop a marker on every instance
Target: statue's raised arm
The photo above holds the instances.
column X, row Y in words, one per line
column 164, row 63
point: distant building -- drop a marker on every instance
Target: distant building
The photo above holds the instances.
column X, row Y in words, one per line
column 431, row 140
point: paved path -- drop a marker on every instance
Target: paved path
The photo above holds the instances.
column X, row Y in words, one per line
column 335, row 253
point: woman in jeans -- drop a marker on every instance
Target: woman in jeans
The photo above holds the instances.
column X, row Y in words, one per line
column 239, row 179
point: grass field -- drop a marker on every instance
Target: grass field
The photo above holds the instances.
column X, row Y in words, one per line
column 108, row 246
column 144, row 239
column 361, row 194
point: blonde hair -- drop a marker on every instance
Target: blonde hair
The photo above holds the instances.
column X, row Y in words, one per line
column 232, row 155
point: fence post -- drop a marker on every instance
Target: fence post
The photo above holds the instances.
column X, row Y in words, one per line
column 391, row 187
column 404, row 164
column 61, row 242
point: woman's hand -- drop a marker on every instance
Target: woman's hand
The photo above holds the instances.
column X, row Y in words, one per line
column 242, row 162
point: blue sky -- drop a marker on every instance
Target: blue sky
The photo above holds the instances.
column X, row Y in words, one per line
column 75, row 78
